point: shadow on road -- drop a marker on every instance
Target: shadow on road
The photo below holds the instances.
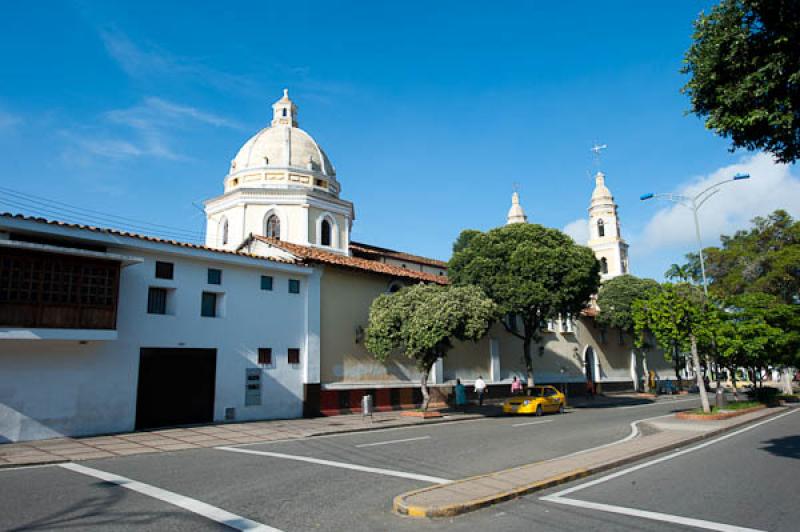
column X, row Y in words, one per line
column 788, row 446
column 97, row 511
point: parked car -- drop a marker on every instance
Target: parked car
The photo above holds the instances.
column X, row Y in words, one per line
column 540, row 399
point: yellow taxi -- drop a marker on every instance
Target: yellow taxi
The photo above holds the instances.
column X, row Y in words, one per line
column 540, row 400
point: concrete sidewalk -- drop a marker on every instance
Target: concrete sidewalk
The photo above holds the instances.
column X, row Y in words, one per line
column 175, row 439
column 650, row 438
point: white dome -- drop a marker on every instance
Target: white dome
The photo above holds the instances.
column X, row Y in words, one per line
column 282, row 146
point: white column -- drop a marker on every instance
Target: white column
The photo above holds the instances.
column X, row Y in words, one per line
column 494, row 364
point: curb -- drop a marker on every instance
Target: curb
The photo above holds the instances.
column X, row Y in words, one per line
column 720, row 416
column 401, row 507
column 34, row 464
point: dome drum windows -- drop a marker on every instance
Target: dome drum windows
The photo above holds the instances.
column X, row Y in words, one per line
column 272, row 226
column 327, row 231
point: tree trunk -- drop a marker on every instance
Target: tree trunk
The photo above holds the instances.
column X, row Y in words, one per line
column 677, row 360
column 699, row 377
column 733, row 383
column 526, row 353
column 423, row 385
column 787, row 381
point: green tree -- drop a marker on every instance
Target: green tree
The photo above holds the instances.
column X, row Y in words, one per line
column 422, row 321
column 676, row 316
column 744, row 65
column 679, row 273
column 762, row 259
column 533, row 274
column 616, row 299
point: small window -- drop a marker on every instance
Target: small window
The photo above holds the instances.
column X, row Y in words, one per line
column 157, row 300
column 293, row 356
column 325, row 230
column 601, row 230
column 272, row 227
column 284, row 112
column 225, row 232
column 165, row 270
column 214, row 276
column 294, row 286
column 266, row 282
column 208, row 308
column 265, row 356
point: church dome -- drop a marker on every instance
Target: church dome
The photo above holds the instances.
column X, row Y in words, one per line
column 282, row 152
column 601, row 193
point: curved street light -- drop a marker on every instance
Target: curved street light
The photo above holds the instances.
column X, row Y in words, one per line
column 694, row 203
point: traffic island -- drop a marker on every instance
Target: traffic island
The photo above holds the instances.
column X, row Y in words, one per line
column 461, row 496
column 717, row 415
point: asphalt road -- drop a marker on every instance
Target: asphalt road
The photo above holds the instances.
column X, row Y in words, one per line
column 286, row 492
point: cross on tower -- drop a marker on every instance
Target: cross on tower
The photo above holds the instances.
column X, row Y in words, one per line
column 597, row 150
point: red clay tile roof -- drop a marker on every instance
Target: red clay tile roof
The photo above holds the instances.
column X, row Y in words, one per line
column 372, row 252
column 311, row 254
column 142, row 237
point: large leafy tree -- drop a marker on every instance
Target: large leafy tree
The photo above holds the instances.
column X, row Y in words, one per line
column 422, row 321
column 533, row 273
column 676, row 316
column 744, row 65
column 762, row 259
column 616, row 299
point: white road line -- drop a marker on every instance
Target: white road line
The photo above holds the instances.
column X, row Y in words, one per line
column 699, row 523
column 32, row 466
column 393, row 441
column 655, row 516
column 342, row 465
column 532, row 423
column 192, row 505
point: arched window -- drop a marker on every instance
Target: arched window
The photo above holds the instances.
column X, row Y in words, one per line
column 601, row 230
column 603, row 265
column 273, row 227
column 325, row 233
column 224, row 231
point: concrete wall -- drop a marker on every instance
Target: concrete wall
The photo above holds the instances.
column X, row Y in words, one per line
column 55, row 388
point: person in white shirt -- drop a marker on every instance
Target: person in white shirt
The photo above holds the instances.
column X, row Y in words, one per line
column 480, row 389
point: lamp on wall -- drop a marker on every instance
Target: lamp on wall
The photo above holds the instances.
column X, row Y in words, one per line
column 359, row 334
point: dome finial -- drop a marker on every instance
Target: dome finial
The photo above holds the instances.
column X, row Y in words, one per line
column 284, row 111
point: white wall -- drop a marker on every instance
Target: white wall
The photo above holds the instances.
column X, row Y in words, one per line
column 55, row 388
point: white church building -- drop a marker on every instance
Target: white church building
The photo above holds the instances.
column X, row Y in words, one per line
column 105, row 331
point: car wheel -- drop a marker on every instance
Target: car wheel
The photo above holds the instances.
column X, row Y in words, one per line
column 538, row 410
column 561, row 409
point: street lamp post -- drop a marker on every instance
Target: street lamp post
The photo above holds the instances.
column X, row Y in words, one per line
column 694, row 203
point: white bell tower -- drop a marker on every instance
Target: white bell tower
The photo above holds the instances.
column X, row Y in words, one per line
column 605, row 237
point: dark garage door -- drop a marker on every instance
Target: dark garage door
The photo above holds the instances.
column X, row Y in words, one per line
column 176, row 387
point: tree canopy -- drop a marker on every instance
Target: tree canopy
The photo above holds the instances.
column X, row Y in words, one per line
column 422, row 321
column 616, row 300
column 744, row 65
column 763, row 259
column 531, row 272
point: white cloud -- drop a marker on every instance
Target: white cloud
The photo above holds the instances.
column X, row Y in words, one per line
column 8, row 120
column 578, row 230
column 146, row 129
column 771, row 186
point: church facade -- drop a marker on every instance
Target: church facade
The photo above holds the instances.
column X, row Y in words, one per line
column 105, row 331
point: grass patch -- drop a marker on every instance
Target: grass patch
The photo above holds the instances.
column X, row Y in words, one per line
column 736, row 405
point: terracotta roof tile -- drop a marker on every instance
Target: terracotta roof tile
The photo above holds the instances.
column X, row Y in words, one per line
column 368, row 251
column 118, row 232
column 311, row 254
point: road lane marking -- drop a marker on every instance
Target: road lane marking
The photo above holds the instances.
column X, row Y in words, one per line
column 192, row 505
column 393, row 441
column 342, row 465
column 560, row 498
column 31, row 466
column 654, row 516
column 532, row 423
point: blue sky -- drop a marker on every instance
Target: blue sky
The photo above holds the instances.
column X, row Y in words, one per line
column 431, row 111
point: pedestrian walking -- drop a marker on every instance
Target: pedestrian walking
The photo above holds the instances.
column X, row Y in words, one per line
column 461, row 394
column 516, row 386
column 480, row 388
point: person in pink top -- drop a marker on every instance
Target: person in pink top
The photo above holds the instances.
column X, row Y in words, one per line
column 516, row 386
